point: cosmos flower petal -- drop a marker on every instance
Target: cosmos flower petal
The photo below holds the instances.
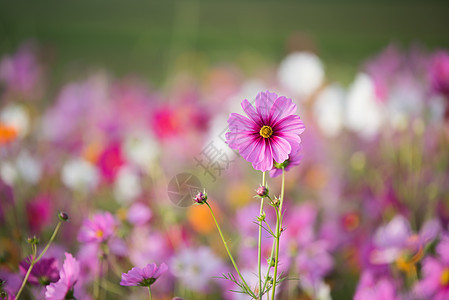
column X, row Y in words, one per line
column 252, row 151
column 293, row 139
column 280, row 149
column 265, row 160
column 291, row 123
column 240, row 123
column 264, row 103
column 248, row 108
column 282, row 107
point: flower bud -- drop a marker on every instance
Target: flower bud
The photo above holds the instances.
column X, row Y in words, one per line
column 262, row 191
column 33, row 240
column 200, row 198
column 63, row 216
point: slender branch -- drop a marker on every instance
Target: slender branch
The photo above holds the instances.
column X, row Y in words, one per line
column 278, row 233
column 50, row 241
column 34, row 260
column 259, row 244
column 149, row 293
column 227, row 249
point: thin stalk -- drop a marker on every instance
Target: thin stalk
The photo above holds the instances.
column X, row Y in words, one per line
column 50, row 241
column 278, row 234
column 227, row 249
column 97, row 285
column 149, row 293
column 259, row 244
column 27, row 274
column 34, row 260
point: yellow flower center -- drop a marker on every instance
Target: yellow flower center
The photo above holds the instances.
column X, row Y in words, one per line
column 266, row 131
column 99, row 233
column 444, row 279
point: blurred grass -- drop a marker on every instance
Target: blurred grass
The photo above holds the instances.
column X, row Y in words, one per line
column 148, row 37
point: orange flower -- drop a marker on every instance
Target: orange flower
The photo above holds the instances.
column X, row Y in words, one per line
column 7, row 134
column 201, row 219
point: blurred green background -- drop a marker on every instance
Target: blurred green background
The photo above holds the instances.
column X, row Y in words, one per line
column 154, row 38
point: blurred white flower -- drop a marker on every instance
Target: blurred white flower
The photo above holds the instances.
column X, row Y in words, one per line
column 301, row 73
column 127, row 185
column 405, row 101
column 80, row 175
column 29, row 168
column 16, row 116
column 328, row 109
column 8, row 172
column 364, row 114
column 318, row 291
column 196, row 267
column 140, row 149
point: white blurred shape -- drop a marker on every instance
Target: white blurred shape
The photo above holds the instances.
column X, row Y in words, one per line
column 328, row 110
column 30, row 169
column 364, row 114
column 140, row 149
column 80, row 175
column 8, row 172
column 16, row 116
column 301, row 73
column 127, row 185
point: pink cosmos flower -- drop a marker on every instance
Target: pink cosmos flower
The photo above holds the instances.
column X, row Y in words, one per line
column 270, row 133
column 435, row 273
column 44, row 271
column 370, row 288
column 294, row 159
column 63, row 289
column 439, row 73
column 98, row 229
column 143, row 277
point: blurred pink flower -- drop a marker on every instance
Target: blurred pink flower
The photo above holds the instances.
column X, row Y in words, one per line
column 270, row 133
column 21, row 71
column 39, row 213
column 439, row 73
column 68, row 277
column 44, row 272
column 370, row 288
column 139, row 214
column 100, row 228
column 143, row 277
column 435, row 274
column 110, row 160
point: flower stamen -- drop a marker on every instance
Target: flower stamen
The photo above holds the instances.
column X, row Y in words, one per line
column 266, row 131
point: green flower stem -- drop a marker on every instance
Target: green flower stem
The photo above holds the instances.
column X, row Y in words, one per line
column 149, row 292
column 227, row 249
column 50, row 241
column 259, row 244
column 34, row 260
column 278, row 234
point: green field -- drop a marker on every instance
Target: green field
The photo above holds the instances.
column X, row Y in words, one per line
column 152, row 38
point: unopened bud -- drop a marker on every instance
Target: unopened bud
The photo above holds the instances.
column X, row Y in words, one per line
column 63, row 216
column 262, row 191
column 200, row 198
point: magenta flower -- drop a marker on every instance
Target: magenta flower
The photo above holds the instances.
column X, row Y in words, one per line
column 294, row 159
column 143, row 277
column 69, row 274
column 98, row 229
column 439, row 73
column 44, row 272
column 435, row 273
column 270, row 133
column 371, row 288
